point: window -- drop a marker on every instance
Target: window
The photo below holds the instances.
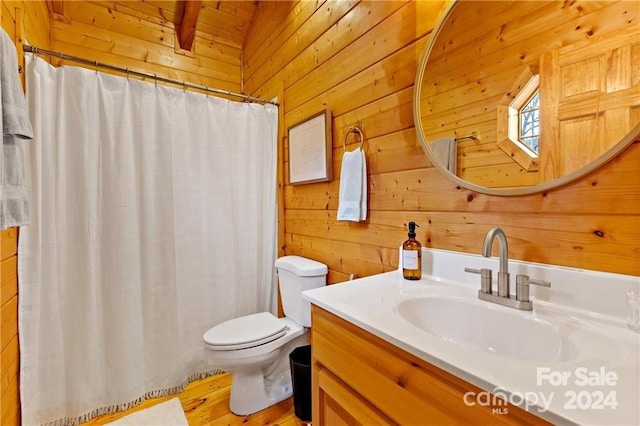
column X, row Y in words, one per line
column 518, row 121
column 529, row 118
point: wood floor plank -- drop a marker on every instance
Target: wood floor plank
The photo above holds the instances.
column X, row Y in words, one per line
column 206, row 403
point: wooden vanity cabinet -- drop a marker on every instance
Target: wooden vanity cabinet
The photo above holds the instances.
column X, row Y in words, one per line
column 358, row 378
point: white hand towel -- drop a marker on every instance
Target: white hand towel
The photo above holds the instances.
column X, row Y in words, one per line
column 352, row 203
column 15, row 127
column 446, row 151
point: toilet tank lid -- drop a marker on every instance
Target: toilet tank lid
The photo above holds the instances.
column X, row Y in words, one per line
column 301, row 266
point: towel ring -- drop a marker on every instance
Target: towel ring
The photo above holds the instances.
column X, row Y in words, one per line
column 353, row 129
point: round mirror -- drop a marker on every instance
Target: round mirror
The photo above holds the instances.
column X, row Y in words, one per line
column 516, row 97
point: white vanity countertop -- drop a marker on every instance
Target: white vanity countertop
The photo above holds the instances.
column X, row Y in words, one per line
column 599, row 384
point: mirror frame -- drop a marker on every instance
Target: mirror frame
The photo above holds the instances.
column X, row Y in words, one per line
column 607, row 156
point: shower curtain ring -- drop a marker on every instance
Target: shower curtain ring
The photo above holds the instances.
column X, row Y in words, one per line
column 155, row 78
column 127, row 72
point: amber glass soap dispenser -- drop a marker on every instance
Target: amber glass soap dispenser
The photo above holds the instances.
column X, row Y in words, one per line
column 412, row 255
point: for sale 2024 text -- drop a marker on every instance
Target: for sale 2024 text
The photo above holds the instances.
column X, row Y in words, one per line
column 591, row 389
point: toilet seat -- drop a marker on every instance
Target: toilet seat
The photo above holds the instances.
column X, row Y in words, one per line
column 245, row 332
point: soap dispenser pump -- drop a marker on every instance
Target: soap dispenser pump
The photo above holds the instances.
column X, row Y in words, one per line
column 412, row 255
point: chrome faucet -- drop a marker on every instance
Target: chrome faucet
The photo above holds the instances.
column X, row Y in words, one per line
column 503, row 272
column 521, row 301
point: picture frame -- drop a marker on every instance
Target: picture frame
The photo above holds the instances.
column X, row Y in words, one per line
column 310, row 149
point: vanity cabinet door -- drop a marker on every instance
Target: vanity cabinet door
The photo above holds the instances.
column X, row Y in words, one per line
column 338, row 405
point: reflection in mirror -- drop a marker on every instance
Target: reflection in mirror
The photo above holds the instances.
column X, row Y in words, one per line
column 548, row 88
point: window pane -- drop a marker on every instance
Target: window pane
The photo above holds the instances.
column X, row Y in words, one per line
column 530, row 122
column 532, row 142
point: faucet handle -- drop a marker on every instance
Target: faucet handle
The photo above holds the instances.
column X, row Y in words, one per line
column 522, row 286
column 541, row 283
column 485, row 278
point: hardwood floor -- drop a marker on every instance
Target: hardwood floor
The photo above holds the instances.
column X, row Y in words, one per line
column 206, row 402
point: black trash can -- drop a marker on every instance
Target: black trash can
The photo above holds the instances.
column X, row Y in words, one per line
column 300, row 362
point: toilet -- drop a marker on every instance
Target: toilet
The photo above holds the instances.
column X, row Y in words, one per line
column 255, row 348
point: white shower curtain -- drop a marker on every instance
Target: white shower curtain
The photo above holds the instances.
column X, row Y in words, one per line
column 153, row 219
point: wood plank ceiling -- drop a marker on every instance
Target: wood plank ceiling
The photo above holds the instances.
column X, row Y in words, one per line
column 228, row 21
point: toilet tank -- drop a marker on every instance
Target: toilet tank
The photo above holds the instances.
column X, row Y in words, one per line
column 295, row 275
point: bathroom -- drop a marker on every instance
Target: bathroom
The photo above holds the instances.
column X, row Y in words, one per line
column 359, row 60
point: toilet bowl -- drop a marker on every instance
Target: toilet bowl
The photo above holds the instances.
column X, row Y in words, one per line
column 255, row 348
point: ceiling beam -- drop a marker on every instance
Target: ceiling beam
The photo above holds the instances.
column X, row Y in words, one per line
column 56, row 6
column 186, row 25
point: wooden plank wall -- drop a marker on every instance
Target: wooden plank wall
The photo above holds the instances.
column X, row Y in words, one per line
column 10, row 355
column 359, row 60
column 140, row 36
column 20, row 19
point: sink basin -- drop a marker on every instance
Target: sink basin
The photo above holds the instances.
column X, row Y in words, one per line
column 489, row 329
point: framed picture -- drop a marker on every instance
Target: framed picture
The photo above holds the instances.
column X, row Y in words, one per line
column 310, row 149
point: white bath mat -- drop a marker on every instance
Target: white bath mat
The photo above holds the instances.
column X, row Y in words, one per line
column 168, row 413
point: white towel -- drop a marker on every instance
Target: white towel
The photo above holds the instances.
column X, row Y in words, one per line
column 352, row 203
column 446, row 151
column 168, row 413
column 15, row 126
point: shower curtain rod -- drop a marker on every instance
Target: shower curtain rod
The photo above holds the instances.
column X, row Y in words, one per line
column 155, row 77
